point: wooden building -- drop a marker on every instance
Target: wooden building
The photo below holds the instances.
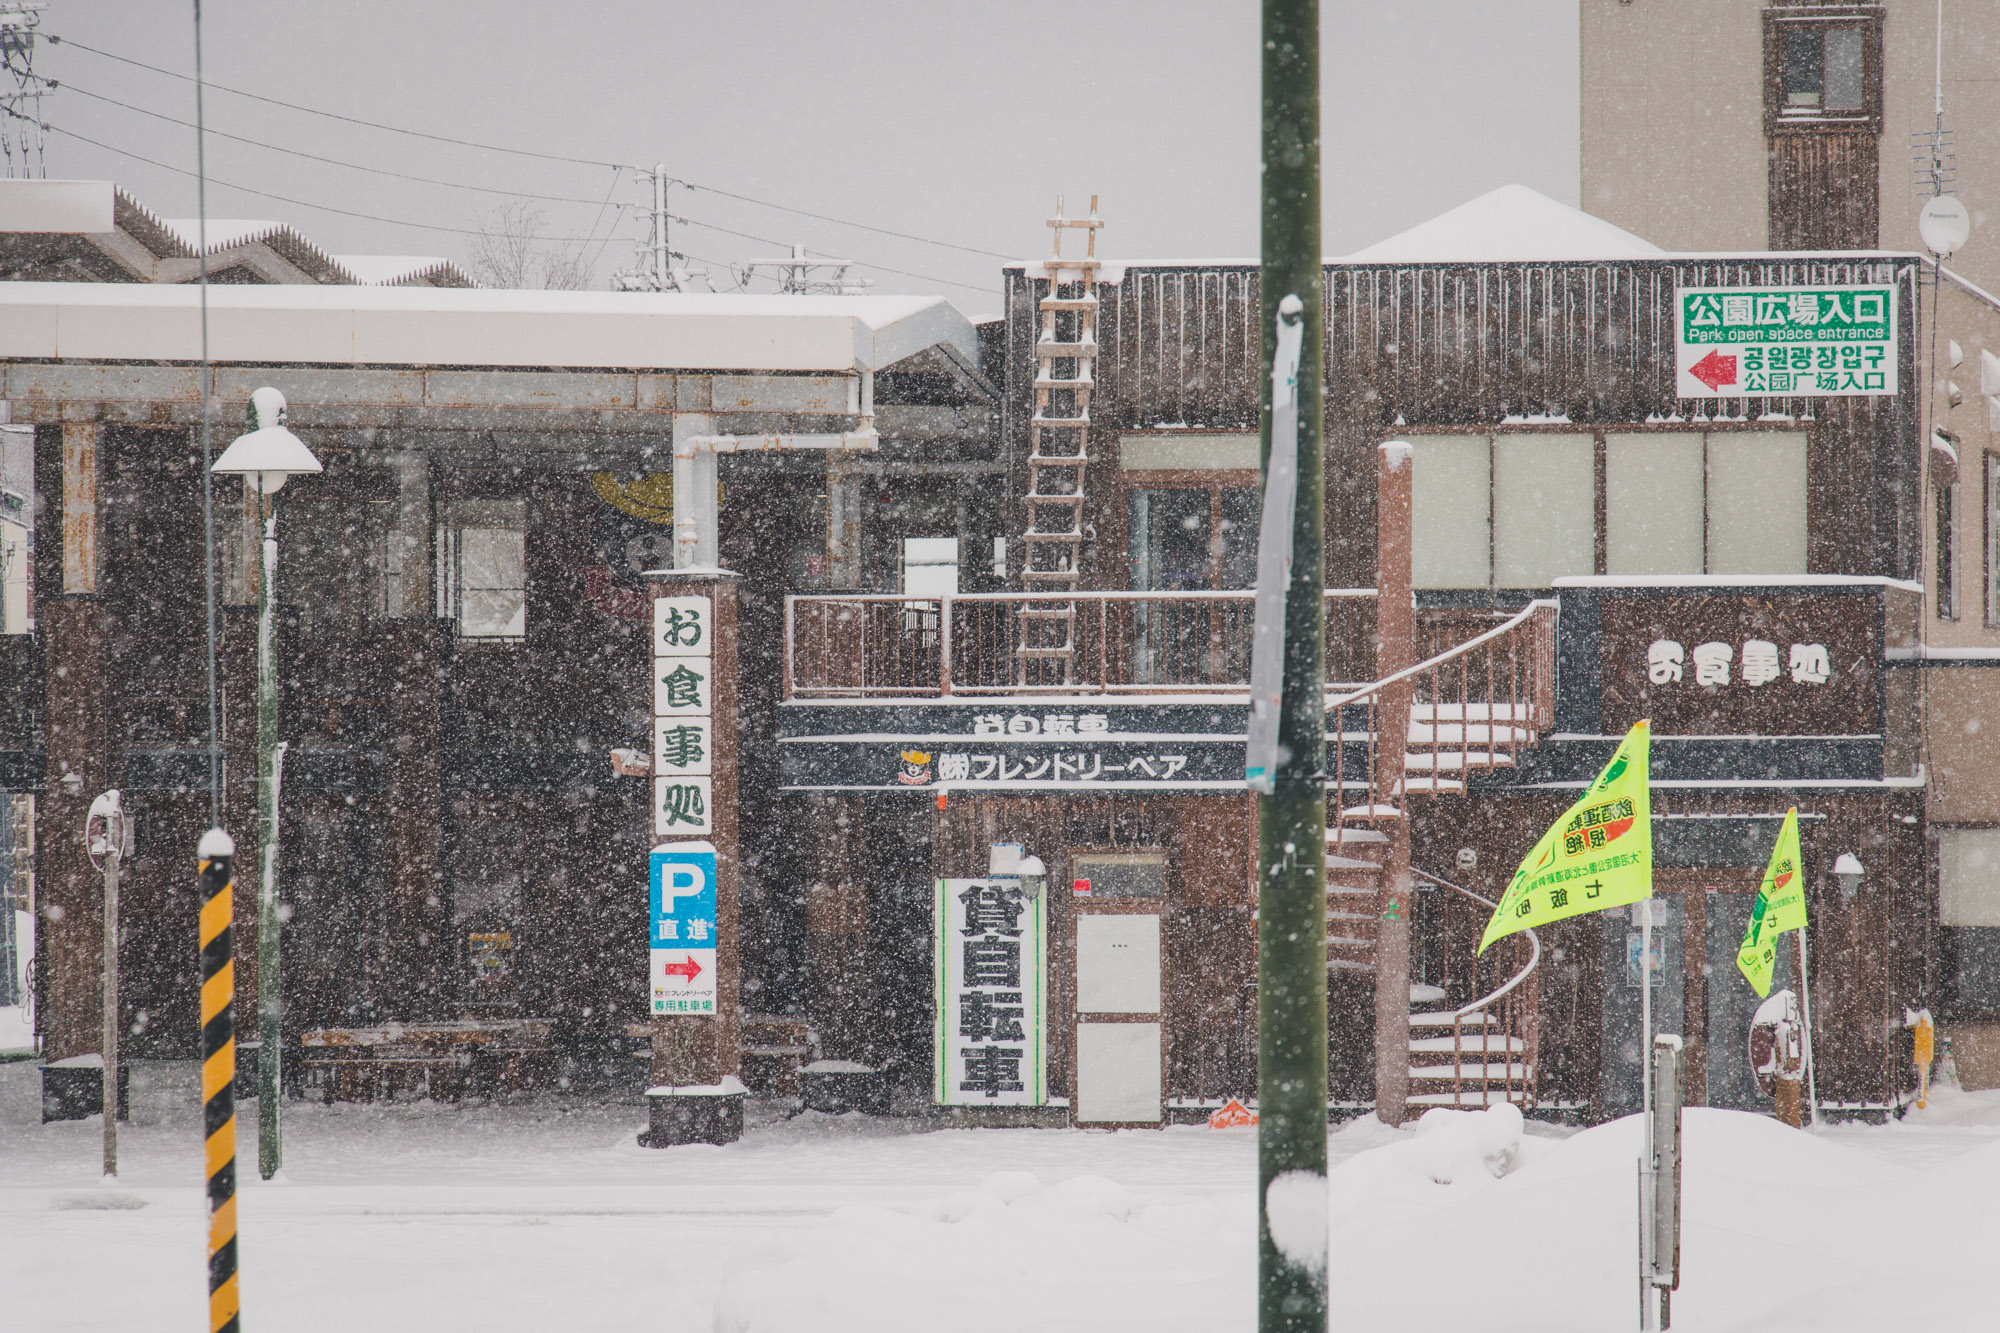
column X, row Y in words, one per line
column 1575, row 517
column 462, row 621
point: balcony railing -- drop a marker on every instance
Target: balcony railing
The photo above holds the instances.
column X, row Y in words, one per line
column 1119, row 643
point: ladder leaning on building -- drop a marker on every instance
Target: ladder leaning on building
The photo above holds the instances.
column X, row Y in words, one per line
column 1058, row 462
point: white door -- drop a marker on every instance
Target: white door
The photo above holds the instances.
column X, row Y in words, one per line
column 1118, row 1075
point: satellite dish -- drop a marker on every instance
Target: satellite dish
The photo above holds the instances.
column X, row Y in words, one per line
column 1945, row 224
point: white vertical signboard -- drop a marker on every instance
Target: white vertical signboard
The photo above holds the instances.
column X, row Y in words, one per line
column 683, row 704
column 991, row 960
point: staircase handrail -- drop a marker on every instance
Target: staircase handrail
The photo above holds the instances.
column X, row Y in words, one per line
column 1534, row 945
column 1459, row 1015
column 1526, row 614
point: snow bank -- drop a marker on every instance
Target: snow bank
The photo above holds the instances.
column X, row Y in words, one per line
column 1009, row 1254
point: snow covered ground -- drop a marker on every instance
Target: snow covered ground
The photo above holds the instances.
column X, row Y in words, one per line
column 545, row 1214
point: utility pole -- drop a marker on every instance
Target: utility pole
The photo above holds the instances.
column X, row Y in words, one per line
column 662, row 272
column 1291, row 821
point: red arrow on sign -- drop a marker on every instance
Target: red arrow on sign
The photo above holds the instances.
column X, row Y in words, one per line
column 690, row 969
column 1714, row 370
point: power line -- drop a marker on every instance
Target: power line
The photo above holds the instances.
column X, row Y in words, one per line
column 331, row 115
column 302, row 203
column 332, row 161
column 546, row 157
column 473, row 231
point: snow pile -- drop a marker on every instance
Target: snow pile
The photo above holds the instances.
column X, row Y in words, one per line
column 1295, row 1210
column 1012, row 1253
column 1510, row 224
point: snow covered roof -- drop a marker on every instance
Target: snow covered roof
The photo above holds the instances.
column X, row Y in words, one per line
column 403, row 270
column 441, row 326
column 1512, row 223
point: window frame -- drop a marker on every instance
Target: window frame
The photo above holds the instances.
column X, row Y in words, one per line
column 1991, row 543
column 501, row 514
column 1492, row 592
column 1778, row 22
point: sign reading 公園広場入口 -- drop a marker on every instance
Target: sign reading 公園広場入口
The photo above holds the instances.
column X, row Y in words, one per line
column 682, row 939
column 1835, row 341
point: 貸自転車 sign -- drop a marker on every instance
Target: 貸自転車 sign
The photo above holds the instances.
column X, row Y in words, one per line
column 990, row 961
column 1830, row 341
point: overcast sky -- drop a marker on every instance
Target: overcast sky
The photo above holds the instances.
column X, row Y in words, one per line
column 952, row 122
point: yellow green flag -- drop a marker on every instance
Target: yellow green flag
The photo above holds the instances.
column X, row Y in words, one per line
column 1598, row 855
column 1780, row 906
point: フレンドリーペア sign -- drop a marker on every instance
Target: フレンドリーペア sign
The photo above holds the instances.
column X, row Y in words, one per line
column 991, row 961
column 1736, row 342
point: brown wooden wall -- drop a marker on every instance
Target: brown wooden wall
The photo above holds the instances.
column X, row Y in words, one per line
column 1466, row 347
column 1209, row 933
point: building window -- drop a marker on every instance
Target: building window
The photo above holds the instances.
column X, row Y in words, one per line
column 1948, row 527
column 1189, row 539
column 1522, row 510
column 483, row 569
column 1992, row 480
column 930, row 566
column 1823, row 67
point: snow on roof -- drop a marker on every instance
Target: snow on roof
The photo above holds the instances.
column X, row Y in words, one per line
column 396, row 270
column 222, row 232
column 443, row 326
column 1505, row 225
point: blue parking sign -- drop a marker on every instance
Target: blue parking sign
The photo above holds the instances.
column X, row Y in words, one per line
column 682, row 943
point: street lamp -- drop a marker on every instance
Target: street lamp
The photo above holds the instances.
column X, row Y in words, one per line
column 267, row 458
column 1847, row 872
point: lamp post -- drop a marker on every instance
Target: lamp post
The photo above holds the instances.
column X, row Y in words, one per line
column 267, row 458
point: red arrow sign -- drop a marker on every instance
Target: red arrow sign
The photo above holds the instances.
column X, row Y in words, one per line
column 690, row 969
column 1714, row 370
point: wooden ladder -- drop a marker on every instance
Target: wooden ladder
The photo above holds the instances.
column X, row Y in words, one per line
column 1059, row 456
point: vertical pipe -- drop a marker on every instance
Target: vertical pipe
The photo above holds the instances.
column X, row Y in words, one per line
column 1291, row 823
column 1395, row 627
column 216, row 857
column 114, row 845
column 270, row 998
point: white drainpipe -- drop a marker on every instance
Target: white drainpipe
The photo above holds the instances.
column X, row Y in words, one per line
column 695, row 506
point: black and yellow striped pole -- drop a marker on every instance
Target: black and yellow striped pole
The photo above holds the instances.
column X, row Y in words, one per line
column 218, row 1071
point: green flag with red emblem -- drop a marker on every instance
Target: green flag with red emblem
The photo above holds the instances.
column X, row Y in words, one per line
column 1780, row 906
column 1598, row 855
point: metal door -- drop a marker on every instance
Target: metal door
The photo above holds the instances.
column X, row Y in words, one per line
column 1118, row 1042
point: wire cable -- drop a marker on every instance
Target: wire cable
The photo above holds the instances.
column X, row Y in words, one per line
column 546, row 157
column 335, row 161
column 302, row 203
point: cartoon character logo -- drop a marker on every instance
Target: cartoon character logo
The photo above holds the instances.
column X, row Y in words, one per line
column 916, row 769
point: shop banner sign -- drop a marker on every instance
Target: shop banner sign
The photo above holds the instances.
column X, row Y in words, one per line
column 683, row 662
column 990, row 966
column 682, row 943
column 1822, row 342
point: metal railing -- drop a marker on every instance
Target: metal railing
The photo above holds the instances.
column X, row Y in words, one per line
column 1474, row 706
column 1519, row 1024
column 840, row 646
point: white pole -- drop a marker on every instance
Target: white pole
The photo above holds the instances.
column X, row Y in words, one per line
column 1805, row 996
column 114, row 838
column 1646, row 1181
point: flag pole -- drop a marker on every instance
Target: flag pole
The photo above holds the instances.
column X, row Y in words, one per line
column 1805, row 1005
column 1646, row 1182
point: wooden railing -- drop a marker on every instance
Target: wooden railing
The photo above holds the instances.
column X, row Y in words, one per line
column 1474, row 706
column 1510, row 1015
column 1123, row 642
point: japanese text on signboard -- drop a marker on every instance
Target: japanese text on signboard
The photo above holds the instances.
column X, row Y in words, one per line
column 990, row 947
column 1790, row 341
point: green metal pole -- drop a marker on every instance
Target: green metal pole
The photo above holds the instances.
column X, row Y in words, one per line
column 270, row 1004
column 1291, row 822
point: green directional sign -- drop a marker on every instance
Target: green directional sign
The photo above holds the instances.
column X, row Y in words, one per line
column 1786, row 342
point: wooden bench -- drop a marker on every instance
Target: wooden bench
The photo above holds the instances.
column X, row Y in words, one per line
column 442, row 1060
